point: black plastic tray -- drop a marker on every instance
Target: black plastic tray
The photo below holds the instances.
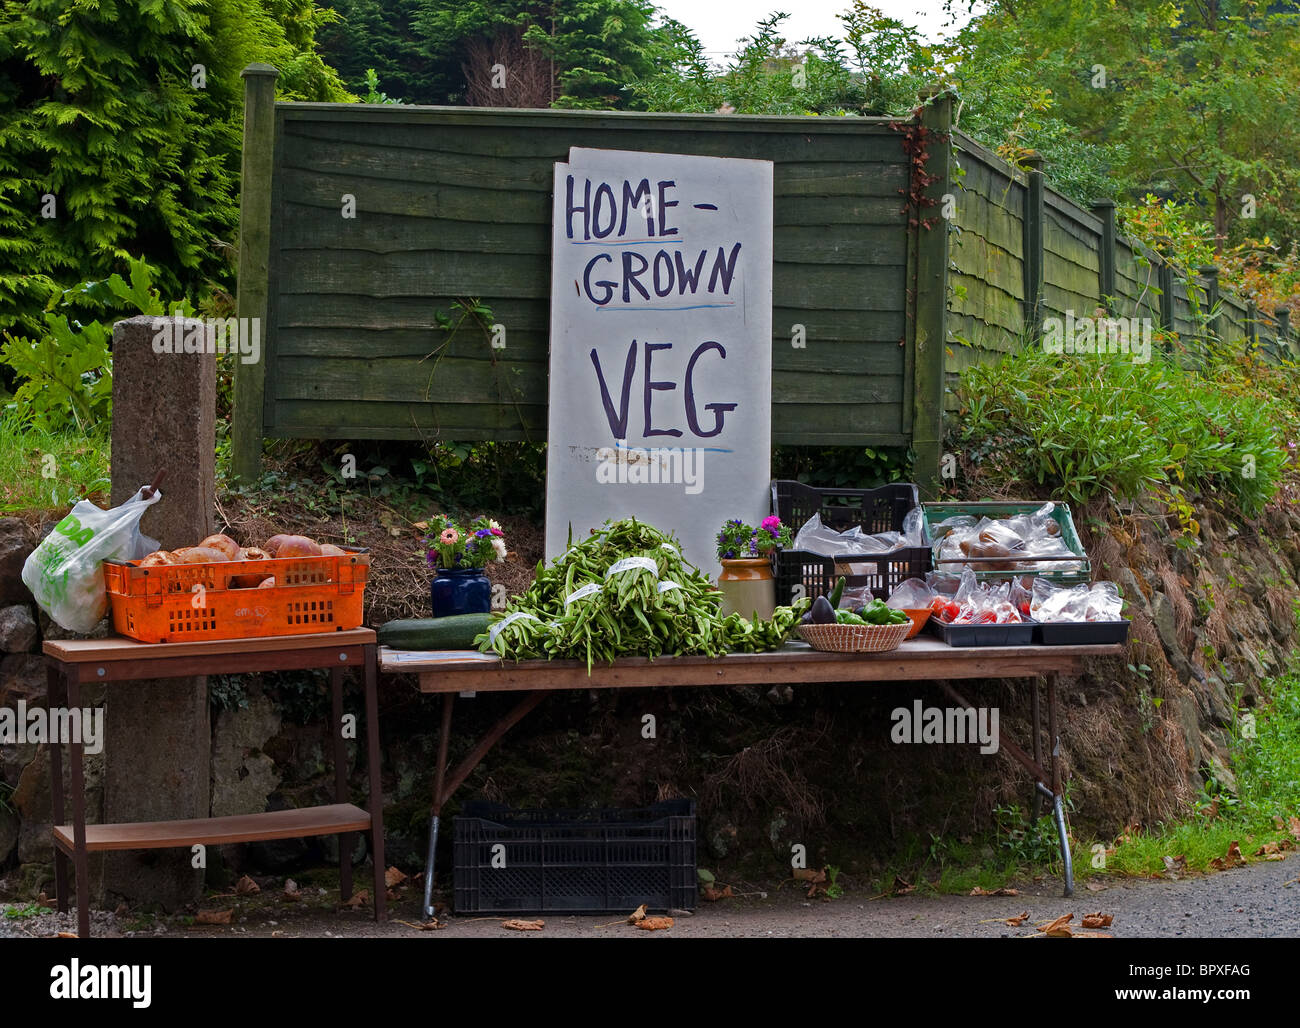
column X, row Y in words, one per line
column 983, row 635
column 1080, row 633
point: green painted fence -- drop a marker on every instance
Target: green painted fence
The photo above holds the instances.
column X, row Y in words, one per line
column 454, row 203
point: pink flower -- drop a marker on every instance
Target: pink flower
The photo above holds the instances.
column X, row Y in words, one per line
column 496, row 531
column 449, row 537
column 772, row 523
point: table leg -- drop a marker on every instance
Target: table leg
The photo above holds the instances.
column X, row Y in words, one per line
column 55, row 691
column 1058, row 804
column 1037, row 721
column 341, row 781
column 435, row 813
column 79, row 819
column 376, row 786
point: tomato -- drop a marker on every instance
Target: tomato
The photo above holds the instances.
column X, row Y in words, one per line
column 986, row 617
column 951, row 611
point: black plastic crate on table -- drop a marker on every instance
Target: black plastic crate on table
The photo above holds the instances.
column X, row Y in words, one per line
column 875, row 510
column 592, row 862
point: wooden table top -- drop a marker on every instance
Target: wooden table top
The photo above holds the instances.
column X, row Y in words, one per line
column 76, row 651
column 919, row 658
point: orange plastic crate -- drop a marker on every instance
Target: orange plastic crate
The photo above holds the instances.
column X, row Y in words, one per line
column 165, row 603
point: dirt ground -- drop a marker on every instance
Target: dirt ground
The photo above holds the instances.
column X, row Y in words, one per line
column 1261, row 900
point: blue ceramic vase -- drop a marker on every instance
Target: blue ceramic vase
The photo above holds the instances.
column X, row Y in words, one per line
column 460, row 591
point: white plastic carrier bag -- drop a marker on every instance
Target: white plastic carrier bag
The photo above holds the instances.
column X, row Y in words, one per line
column 65, row 571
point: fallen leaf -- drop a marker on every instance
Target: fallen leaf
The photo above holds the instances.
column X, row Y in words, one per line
column 68, row 935
column 1097, row 920
column 1174, row 866
column 1018, row 920
column 1094, row 887
column 122, row 910
column 516, row 925
column 358, row 898
column 902, row 888
column 1059, row 923
column 654, row 924
column 713, row 895
column 978, row 891
column 394, row 895
column 807, row 874
column 1293, row 826
column 1270, row 851
column 42, row 899
column 291, row 892
column 1232, row 858
column 637, row 915
column 1212, row 811
column 394, row 877
column 214, row 916
column 247, row 887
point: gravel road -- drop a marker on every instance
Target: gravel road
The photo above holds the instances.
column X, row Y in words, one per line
column 1259, row 900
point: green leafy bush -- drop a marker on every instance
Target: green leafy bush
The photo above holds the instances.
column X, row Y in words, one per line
column 1089, row 425
column 64, row 376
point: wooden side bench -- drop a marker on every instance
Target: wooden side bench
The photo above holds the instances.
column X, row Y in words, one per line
column 72, row 663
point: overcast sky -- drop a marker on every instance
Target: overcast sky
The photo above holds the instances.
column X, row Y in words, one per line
column 720, row 23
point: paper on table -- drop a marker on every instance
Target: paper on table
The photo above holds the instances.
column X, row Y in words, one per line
column 437, row 656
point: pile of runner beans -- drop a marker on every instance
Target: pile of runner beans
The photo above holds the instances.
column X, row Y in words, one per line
column 626, row 591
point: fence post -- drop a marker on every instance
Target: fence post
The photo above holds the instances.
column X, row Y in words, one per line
column 1033, row 263
column 1283, row 315
column 930, row 297
column 1105, row 211
column 1165, row 282
column 1252, row 329
column 254, row 262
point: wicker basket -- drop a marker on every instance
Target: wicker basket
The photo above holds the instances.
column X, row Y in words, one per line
column 855, row 638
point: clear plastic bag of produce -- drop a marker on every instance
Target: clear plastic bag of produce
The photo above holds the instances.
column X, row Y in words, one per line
column 1099, row 602
column 1004, row 544
column 912, row 594
column 64, row 572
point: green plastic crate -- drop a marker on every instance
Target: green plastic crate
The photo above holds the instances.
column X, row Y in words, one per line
column 935, row 513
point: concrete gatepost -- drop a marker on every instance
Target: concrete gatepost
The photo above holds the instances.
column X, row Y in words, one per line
column 157, row 733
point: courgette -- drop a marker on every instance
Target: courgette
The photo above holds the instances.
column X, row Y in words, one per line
column 454, row 632
column 838, row 592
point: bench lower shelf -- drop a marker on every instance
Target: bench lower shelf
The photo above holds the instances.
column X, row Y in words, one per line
column 330, row 819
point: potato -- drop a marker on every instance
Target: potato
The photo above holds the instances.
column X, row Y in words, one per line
column 199, row 555
column 157, row 559
column 253, row 553
column 297, row 546
column 330, row 550
column 223, row 543
column 273, row 544
column 268, row 583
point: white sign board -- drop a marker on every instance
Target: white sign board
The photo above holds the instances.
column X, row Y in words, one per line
column 661, row 345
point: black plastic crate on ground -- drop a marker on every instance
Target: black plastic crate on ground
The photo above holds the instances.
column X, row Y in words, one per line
column 576, row 862
column 802, row 573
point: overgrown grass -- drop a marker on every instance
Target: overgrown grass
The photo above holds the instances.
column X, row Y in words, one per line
column 42, row 469
column 1266, row 761
column 1090, row 425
